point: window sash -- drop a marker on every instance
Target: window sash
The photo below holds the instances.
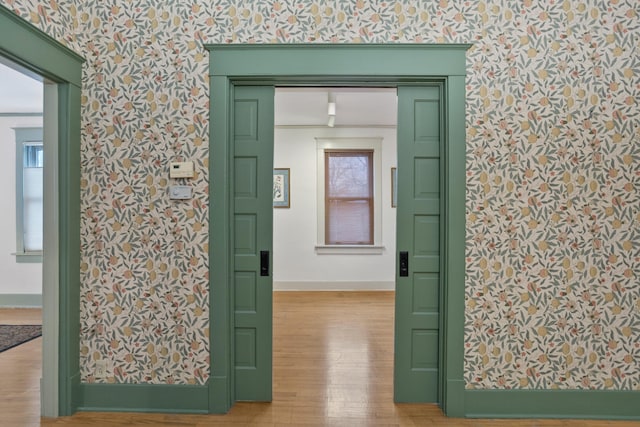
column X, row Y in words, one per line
column 349, row 214
column 33, row 155
column 29, row 194
column 32, row 208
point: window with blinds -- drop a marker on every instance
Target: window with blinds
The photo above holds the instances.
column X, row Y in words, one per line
column 349, row 214
column 32, row 196
column 29, row 194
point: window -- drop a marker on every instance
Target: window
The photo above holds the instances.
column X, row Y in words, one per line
column 348, row 197
column 29, row 194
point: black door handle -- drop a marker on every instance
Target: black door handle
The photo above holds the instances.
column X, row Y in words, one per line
column 404, row 264
column 264, row 263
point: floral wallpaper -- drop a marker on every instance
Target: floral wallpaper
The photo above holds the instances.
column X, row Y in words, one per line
column 553, row 152
column 553, row 208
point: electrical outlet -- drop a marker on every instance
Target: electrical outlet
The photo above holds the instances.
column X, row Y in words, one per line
column 101, row 369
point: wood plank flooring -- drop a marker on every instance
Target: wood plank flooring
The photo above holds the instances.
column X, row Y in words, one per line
column 333, row 366
column 20, row 372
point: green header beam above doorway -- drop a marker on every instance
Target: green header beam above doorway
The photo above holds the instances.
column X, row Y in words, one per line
column 385, row 62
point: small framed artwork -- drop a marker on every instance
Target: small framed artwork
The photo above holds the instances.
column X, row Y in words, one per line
column 281, row 188
column 394, row 187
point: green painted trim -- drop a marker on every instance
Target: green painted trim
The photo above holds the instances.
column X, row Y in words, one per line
column 454, row 250
column 343, row 60
column 220, row 278
column 20, row 114
column 453, row 400
column 69, row 252
column 219, row 389
column 29, row 257
column 189, row 399
column 75, row 392
column 20, row 300
column 49, row 389
column 352, row 65
column 443, row 276
column 34, row 50
column 28, row 134
column 31, row 48
column 592, row 404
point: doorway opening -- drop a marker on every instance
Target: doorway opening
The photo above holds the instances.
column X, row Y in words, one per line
column 39, row 54
column 242, row 81
column 360, row 252
column 21, row 110
column 348, row 188
column 28, row 128
column 334, row 303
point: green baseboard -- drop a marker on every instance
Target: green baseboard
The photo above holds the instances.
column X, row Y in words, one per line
column 168, row 398
column 20, row 300
column 73, row 396
column 581, row 404
column 454, row 399
column 218, row 396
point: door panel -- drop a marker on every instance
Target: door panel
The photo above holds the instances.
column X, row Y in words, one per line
column 418, row 232
column 253, row 222
column 245, row 348
column 245, row 179
column 422, row 357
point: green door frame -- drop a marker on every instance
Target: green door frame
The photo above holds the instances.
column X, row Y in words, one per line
column 345, row 65
column 36, row 52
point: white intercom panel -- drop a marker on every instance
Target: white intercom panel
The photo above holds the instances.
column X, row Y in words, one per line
column 181, row 170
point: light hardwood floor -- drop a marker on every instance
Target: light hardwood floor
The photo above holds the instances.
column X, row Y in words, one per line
column 333, row 366
column 20, row 372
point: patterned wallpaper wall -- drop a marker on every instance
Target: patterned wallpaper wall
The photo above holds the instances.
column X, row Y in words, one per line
column 553, row 152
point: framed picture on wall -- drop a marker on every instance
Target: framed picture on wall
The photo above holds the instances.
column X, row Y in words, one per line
column 394, row 187
column 281, row 188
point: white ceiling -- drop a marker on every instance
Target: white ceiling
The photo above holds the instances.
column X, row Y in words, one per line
column 295, row 106
column 18, row 92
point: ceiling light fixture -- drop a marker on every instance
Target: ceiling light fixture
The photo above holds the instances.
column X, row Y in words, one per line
column 331, row 110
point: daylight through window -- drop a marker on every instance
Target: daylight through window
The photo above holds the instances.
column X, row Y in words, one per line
column 29, row 194
column 349, row 197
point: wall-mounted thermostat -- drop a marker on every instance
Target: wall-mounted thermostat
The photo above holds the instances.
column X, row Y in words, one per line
column 181, row 170
column 179, row 192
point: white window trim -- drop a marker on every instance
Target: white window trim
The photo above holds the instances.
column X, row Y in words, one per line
column 372, row 143
column 24, row 136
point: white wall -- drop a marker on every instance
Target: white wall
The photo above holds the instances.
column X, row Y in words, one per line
column 296, row 265
column 17, row 278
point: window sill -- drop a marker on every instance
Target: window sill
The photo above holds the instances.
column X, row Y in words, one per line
column 349, row 249
column 28, row 257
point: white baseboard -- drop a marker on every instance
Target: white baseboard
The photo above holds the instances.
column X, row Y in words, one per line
column 20, row 300
column 366, row 285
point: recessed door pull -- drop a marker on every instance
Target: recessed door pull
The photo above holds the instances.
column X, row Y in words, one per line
column 264, row 263
column 404, row 264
